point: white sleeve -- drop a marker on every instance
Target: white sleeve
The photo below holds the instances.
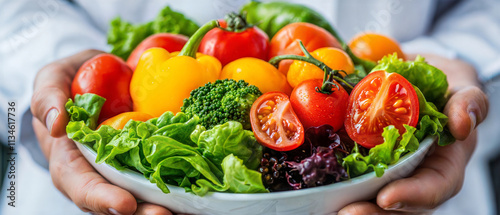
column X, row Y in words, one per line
column 470, row 32
column 33, row 34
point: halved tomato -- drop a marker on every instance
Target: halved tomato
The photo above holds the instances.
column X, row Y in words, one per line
column 378, row 100
column 274, row 123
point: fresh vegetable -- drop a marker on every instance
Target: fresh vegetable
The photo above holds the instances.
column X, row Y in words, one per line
column 313, row 37
column 225, row 139
column 124, row 37
column 108, row 76
column 257, row 72
column 373, row 46
column 382, row 155
column 173, row 149
column 303, row 167
column 167, row 41
column 222, row 101
column 334, row 58
column 318, row 102
column 275, row 124
column 431, row 123
column 273, row 16
column 235, row 39
column 119, row 121
column 430, row 80
column 85, row 108
column 162, row 81
column 321, row 167
column 318, row 108
column 379, row 100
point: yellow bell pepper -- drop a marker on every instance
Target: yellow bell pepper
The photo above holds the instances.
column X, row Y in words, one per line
column 257, row 72
column 334, row 58
column 163, row 80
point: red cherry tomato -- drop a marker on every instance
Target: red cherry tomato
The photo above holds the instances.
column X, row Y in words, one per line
column 274, row 123
column 378, row 100
column 107, row 76
column 228, row 46
column 315, row 109
column 167, row 41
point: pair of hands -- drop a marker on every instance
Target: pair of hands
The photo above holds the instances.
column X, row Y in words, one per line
column 437, row 179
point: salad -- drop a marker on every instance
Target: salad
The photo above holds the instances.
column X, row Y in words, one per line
column 271, row 101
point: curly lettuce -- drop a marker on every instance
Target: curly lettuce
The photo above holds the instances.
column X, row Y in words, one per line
column 124, row 36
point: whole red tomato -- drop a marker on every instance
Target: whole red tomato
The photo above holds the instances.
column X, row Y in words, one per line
column 107, row 76
column 167, row 41
column 316, row 108
column 235, row 39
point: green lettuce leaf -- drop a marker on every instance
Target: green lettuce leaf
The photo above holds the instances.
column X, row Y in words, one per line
column 172, row 159
column 430, row 80
column 124, row 36
column 383, row 155
column 237, row 179
column 125, row 147
column 229, row 138
column 179, row 127
column 85, row 108
column 432, row 122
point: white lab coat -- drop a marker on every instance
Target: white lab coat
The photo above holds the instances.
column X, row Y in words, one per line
column 34, row 33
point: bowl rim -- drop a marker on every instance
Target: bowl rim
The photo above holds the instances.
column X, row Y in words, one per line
column 138, row 177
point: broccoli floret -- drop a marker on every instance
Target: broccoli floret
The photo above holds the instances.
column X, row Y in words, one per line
column 222, row 101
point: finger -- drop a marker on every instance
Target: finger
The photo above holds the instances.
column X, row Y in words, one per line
column 466, row 109
column 76, row 179
column 151, row 209
column 52, row 90
column 363, row 208
column 439, row 178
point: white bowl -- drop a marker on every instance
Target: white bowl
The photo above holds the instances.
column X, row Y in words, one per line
column 326, row 199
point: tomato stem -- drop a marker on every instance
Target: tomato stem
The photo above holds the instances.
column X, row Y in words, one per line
column 236, row 22
column 329, row 76
column 366, row 64
column 193, row 43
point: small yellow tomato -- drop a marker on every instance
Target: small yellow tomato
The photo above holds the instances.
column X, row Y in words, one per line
column 373, row 46
column 256, row 72
column 334, row 58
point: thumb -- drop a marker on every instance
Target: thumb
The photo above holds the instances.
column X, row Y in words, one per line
column 52, row 88
column 466, row 109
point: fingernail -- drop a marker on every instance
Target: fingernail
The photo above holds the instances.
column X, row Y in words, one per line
column 395, row 206
column 343, row 212
column 51, row 118
column 113, row 211
column 473, row 119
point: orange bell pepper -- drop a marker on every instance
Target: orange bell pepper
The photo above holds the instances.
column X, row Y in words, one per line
column 119, row 121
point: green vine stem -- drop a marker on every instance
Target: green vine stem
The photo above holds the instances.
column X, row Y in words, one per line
column 329, row 76
column 193, row 43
